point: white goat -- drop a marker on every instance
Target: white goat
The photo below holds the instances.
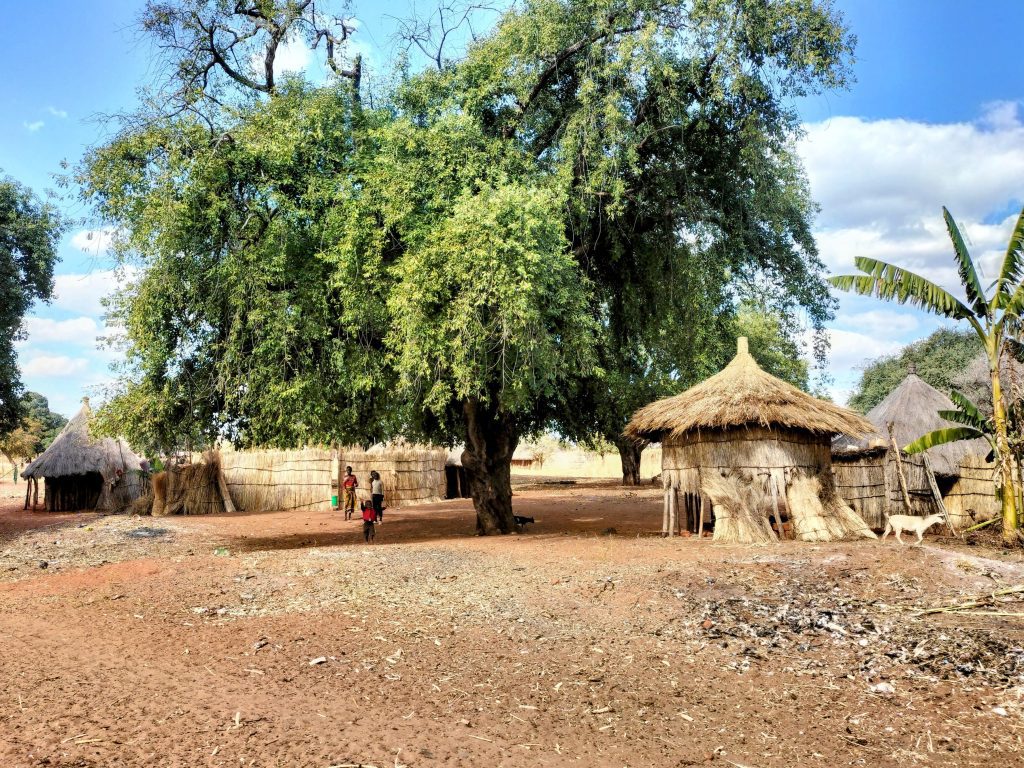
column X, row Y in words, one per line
column 918, row 525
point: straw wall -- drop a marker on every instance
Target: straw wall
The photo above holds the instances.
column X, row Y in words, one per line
column 754, row 450
column 267, row 480
column 869, row 482
column 973, row 496
column 410, row 475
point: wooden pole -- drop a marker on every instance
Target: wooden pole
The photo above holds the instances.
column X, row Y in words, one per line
column 775, row 505
column 935, row 492
column 35, row 493
column 222, row 485
column 679, row 518
column 664, row 513
column 899, row 471
column 672, row 512
column 28, row 492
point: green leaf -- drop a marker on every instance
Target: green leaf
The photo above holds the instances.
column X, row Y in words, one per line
column 968, row 414
column 892, row 283
column 941, row 437
column 1008, row 284
column 965, row 267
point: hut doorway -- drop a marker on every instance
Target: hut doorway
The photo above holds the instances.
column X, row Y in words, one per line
column 73, row 492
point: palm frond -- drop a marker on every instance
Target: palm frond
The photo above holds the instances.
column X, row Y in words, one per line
column 941, row 437
column 970, row 413
column 892, row 283
column 1011, row 272
column 965, row 266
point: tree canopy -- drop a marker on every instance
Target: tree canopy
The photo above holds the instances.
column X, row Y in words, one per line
column 575, row 208
column 29, row 232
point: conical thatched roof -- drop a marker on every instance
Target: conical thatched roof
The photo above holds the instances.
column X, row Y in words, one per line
column 742, row 394
column 912, row 409
column 76, row 452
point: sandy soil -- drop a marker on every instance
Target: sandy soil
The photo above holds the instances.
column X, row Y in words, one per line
column 283, row 640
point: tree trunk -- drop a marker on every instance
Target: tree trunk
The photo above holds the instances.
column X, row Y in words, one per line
column 490, row 442
column 1009, row 500
column 629, row 453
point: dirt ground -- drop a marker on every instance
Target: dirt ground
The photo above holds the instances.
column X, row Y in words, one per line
column 282, row 640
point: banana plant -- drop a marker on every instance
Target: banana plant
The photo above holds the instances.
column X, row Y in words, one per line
column 994, row 313
column 973, row 425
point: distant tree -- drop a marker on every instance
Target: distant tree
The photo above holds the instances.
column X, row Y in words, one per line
column 939, row 359
column 37, row 408
column 772, row 344
column 29, row 232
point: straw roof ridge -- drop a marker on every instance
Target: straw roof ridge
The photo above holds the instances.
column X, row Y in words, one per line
column 75, row 452
column 742, row 394
column 913, row 410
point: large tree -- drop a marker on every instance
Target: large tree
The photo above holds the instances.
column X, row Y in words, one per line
column 584, row 197
column 29, row 232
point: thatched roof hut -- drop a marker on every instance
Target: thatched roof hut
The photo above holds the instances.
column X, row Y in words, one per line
column 744, row 447
column 866, row 471
column 82, row 472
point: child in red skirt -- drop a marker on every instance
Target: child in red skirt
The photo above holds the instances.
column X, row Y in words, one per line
column 368, row 517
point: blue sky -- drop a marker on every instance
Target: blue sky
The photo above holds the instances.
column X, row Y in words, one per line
column 935, row 118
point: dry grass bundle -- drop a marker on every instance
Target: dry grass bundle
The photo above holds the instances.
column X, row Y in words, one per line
column 741, row 509
column 741, row 394
column 142, row 505
column 191, row 489
column 818, row 513
column 159, row 488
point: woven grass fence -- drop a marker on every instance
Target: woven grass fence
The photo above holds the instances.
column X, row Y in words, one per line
column 269, row 480
column 411, row 475
column 973, row 496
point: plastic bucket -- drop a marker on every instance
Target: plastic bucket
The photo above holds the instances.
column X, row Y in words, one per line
column 334, row 501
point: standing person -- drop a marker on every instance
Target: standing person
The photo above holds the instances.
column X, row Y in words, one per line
column 368, row 517
column 377, row 495
column 348, row 487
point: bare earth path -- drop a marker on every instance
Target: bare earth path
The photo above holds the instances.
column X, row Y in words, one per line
column 282, row 640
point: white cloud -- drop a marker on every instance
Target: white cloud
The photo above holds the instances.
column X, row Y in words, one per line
column 881, row 185
column 894, row 175
column 81, row 294
column 61, row 113
column 78, row 331
column 292, row 56
column 851, row 349
column 879, row 322
column 34, row 126
column 95, row 242
column 49, row 366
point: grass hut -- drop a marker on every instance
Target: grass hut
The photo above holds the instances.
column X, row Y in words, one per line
column 744, row 448
column 81, row 472
column 877, row 479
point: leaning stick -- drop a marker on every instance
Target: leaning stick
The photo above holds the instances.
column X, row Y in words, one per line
column 935, row 492
column 899, row 471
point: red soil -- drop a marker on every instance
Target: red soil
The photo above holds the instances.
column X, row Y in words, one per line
column 568, row 645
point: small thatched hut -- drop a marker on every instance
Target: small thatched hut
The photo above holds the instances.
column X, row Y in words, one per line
column 81, row 472
column 743, row 447
column 866, row 468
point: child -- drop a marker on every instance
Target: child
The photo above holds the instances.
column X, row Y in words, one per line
column 348, row 486
column 368, row 517
column 377, row 495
